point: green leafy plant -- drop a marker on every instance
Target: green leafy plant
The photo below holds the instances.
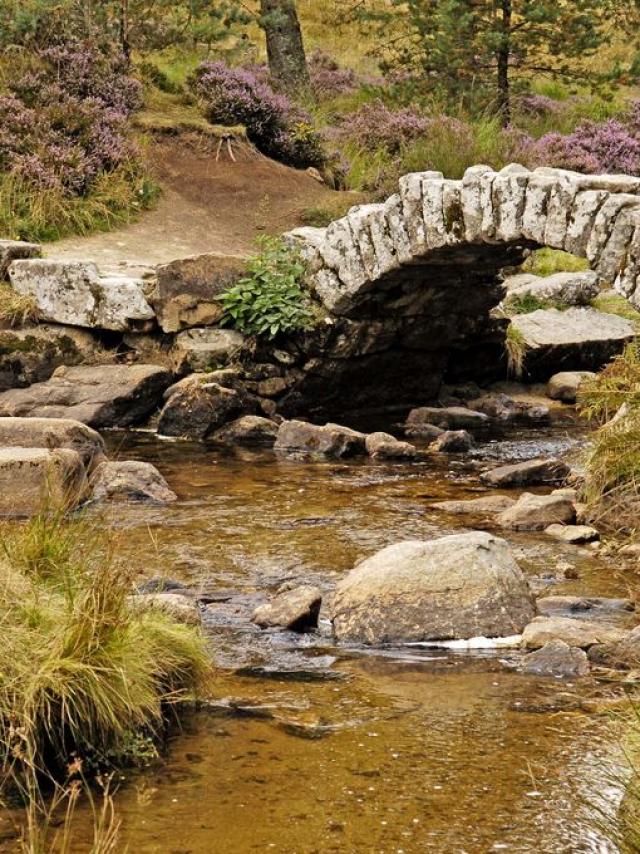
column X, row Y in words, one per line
column 269, row 299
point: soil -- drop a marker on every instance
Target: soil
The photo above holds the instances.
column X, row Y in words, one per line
column 207, row 205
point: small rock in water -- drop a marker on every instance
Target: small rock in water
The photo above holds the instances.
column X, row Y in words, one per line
column 503, row 408
column 557, row 658
column 536, row 512
column 181, row 608
column 295, row 609
column 130, row 481
column 423, row 431
column 549, row 605
column 384, row 446
column 298, row 438
column 582, row 633
column 248, row 430
column 529, row 473
column 573, row 534
column 487, row 504
column 452, row 442
column 447, row 418
column 566, row 385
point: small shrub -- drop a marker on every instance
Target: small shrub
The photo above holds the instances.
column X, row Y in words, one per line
column 617, row 385
column 592, row 148
column 269, row 300
column 376, row 126
column 328, row 78
column 233, row 96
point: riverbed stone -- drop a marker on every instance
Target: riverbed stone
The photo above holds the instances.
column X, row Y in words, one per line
column 558, row 659
column 186, row 289
column 452, row 442
column 248, row 430
column 507, row 410
column 74, row 293
column 447, row 418
column 550, row 605
column 565, row 385
column 426, row 432
column 130, row 481
column 573, row 534
column 576, row 339
column 100, row 395
column 205, row 348
column 537, row 512
column 14, row 250
column 193, row 412
column 488, row 504
column 331, row 440
column 461, row 586
column 54, row 433
column 384, row 446
column 569, row 289
column 295, row 609
column 34, row 480
column 31, row 353
column 529, row 473
column 575, row 632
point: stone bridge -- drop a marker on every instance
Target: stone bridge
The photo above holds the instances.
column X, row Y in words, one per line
column 409, row 283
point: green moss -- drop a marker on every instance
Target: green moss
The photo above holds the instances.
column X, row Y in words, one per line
column 546, row 262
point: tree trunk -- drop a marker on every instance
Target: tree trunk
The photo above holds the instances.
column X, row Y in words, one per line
column 503, row 57
column 285, row 48
column 124, row 29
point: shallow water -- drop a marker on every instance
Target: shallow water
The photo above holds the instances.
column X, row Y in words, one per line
column 311, row 747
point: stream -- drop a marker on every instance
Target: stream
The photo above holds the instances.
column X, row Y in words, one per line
column 312, row 747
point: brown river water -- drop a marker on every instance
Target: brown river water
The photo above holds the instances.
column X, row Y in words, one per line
column 309, row 747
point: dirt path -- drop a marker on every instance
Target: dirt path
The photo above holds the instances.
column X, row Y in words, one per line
column 206, row 206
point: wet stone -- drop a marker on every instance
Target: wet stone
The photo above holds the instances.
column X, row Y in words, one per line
column 558, row 659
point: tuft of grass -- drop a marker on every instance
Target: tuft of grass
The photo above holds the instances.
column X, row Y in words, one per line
column 82, row 666
column 613, row 303
column 546, row 262
column 16, row 309
column 331, row 209
column 516, row 350
column 526, row 304
column 612, row 462
column 27, row 213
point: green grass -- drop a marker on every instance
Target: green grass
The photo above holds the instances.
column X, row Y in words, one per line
column 332, row 209
column 526, row 304
column 613, row 303
column 83, row 669
column 27, row 213
column 516, row 350
column 546, row 262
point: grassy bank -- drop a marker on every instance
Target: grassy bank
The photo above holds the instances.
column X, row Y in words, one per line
column 87, row 675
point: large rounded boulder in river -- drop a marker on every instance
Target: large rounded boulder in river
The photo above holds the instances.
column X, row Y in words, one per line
column 462, row 586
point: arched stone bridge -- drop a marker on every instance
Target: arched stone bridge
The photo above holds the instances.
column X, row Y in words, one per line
column 435, row 222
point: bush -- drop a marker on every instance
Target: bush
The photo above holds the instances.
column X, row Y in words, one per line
column 269, row 299
column 593, row 147
column 328, row 79
column 83, row 669
column 63, row 128
column 375, row 126
column 233, row 96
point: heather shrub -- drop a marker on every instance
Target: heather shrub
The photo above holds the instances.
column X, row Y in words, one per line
column 593, row 147
column 277, row 127
column 328, row 78
column 63, row 128
column 374, row 126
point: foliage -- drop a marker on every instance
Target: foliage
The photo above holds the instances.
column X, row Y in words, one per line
column 375, row 126
column 269, row 299
column 82, row 666
column 592, row 148
column 612, row 462
column 242, row 96
column 16, row 309
column 329, row 78
column 475, row 50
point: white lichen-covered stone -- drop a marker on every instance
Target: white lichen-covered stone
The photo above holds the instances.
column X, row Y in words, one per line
column 509, row 197
column 613, row 258
column 74, row 293
column 472, row 202
column 360, row 221
column 582, row 218
column 411, row 193
column 534, row 216
column 397, row 229
column 342, row 254
column 603, row 223
column 13, row 250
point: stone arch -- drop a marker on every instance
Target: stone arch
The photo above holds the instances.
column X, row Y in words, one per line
column 409, row 284
column 485, row 219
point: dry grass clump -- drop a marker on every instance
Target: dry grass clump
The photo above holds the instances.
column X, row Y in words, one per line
column 612, row 463
column 16, row 309
column 516, row 350
column 82, row 670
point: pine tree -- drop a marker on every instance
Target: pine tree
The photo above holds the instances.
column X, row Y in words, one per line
column 285, row 47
